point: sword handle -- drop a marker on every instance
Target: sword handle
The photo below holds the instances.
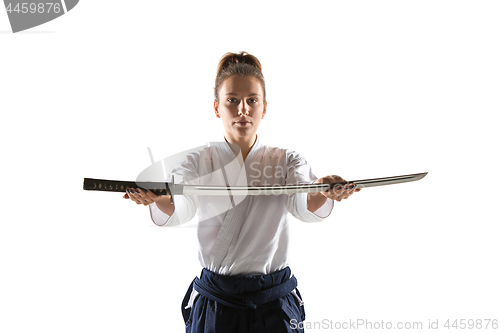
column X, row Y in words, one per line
column 91, row 184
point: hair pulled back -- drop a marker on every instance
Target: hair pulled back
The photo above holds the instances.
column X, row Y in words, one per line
column 243, row 64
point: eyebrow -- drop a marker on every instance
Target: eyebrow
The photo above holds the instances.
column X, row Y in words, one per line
column 254, row 94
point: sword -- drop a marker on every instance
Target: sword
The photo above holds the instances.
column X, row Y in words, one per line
column 170, row 188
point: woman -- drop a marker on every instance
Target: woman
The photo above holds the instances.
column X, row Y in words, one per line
column 246, row 284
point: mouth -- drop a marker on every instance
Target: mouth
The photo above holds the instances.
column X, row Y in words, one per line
column 242, row 123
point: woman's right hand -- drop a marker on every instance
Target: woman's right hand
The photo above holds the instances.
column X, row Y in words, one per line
column 141, row 196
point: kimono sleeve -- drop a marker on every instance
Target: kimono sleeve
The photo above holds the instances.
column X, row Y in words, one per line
column 185, row 206
column 298, row 173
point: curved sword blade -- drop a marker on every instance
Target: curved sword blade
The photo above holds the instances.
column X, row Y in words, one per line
column 291, row 189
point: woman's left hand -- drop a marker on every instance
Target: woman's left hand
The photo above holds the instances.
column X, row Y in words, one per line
column 339, row 192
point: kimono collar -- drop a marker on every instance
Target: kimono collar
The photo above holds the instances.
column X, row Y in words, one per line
column 255, row 147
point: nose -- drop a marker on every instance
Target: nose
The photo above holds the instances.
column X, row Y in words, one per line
column 243, row 109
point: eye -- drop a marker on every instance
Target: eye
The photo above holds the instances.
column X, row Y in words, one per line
column 253, row 100
column 231, row 100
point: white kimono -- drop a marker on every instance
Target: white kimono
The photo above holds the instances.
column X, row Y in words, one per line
column 242, row 234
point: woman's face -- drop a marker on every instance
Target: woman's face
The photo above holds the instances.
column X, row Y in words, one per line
column 241, row 107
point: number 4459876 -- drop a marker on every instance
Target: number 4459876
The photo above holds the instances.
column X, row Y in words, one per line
column 471, row 324
column 31, row 7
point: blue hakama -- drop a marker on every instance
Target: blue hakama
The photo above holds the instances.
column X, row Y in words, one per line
column 244, row 303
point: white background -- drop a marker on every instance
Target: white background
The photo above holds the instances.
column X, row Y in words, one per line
column 363, row 89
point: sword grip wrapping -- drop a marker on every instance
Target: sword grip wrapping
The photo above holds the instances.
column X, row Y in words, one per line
column 91, row 184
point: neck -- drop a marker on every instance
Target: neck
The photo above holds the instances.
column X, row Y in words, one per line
column 244, row 145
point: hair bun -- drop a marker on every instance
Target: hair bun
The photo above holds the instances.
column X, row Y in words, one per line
column 243, row 57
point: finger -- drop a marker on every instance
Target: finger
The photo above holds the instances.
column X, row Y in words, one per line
column 349, row 193
column 343, row 190
column 338, row 190
column 143, row 197
column 346, row 192
column 330, row 195
column 350, row 189
column 133, row 195
column 334, row 193
column 356, row 189
column 139, row 196
column 153, row 196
